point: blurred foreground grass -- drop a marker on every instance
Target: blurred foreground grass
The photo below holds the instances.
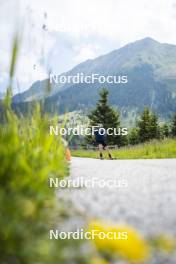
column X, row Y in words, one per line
column 153, row 150
column 29, row 155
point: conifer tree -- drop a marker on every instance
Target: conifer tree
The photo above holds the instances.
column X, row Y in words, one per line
column 107, row 116
column 148, row 126
column 144, row 126
column 133, row 137
column 154, row 127
column 165, row 131
column 173, row 125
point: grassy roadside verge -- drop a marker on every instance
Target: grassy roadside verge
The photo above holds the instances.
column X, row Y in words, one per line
column 152, row 150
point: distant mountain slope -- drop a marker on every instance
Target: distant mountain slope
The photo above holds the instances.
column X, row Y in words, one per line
column 151, row 70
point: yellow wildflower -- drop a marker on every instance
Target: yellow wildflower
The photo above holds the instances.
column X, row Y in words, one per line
column 134, row 248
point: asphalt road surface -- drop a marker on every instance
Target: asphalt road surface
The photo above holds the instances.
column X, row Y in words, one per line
column 143, row 195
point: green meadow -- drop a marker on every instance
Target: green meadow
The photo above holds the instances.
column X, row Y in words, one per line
column 152, row 150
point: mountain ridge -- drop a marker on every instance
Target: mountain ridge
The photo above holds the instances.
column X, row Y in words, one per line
column 146, row 40
column 149, row 64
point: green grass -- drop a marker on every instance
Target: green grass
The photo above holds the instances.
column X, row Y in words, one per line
column 152, row 150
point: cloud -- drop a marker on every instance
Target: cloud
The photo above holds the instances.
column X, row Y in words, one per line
column 85, row 52
column 60, row 34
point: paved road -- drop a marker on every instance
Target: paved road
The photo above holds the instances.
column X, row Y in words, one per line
column 148, row 202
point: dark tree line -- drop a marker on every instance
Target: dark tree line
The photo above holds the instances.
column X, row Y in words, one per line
column 147, row 127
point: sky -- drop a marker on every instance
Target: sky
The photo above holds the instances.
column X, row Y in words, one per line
column 56, row 35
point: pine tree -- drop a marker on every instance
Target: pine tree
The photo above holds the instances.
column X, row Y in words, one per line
column 107, row 116
column 133, row 136
column 144, row 126
column 173, row 125
column 154, row 127
column 165, row 131
column 148, row 126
